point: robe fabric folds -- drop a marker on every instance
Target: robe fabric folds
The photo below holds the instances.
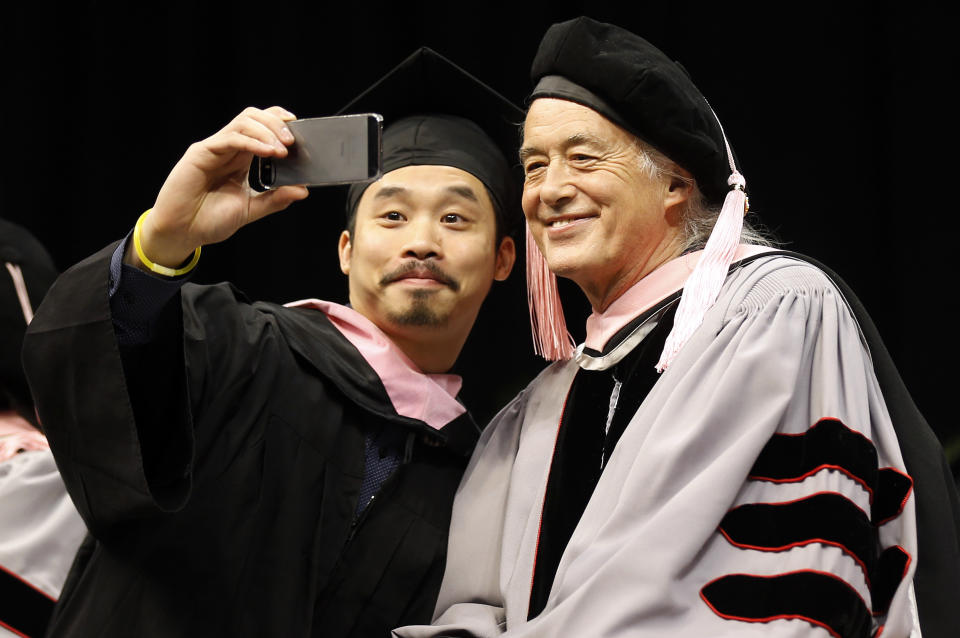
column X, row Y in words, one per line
column 219, row 469
column 760, row 488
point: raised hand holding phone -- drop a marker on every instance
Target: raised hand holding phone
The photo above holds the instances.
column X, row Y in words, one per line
column 205, row 198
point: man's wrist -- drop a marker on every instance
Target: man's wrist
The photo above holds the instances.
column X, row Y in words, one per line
column 137, row 256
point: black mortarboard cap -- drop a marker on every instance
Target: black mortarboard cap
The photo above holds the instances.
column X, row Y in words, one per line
column 436, row 113
column 633, row 84
column 20, row 249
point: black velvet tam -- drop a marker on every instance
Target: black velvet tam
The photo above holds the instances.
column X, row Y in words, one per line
column 435, row 113
column 635, row 85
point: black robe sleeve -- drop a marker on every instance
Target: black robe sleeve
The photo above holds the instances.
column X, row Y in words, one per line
column 122, row 420
column 86, row 405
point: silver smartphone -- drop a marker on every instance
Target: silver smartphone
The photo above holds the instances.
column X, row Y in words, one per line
column 327, row 150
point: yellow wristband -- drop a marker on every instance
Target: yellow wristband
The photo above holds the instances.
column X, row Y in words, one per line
column 157, row 268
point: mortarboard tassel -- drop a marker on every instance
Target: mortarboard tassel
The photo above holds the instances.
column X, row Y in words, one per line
column 551, row 340
column 703, row 286
column 21, row 287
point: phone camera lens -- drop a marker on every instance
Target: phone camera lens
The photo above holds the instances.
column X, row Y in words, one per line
column 266, row 171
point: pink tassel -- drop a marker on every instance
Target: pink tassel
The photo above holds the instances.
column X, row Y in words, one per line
column 703, row 286
column 551, row 340
column 21, row 289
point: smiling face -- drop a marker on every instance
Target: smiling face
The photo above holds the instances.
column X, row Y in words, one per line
column 594, row 211
column 422, row 257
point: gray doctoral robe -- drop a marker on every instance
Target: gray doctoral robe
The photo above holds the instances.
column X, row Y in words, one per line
column 40, row 531
column 749, row 428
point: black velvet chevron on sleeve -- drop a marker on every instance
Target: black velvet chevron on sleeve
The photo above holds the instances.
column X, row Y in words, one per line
column 825, row 518
column 816, row 597
column 23, row 608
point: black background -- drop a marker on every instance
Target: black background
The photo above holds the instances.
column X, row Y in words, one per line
column 841, row 114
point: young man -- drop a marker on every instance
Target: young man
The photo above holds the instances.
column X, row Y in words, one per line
column 247, row 469
column 731, row 451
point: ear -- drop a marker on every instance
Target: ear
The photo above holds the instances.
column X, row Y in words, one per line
column 344, row 248
column 506, row 255
column 678, row 190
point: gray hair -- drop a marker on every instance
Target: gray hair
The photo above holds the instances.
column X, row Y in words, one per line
column 698, row 216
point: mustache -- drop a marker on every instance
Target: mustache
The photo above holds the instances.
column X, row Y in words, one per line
column 423, row 267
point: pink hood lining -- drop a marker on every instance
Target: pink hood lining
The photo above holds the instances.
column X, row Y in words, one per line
column 430, row 398
column 646, row 293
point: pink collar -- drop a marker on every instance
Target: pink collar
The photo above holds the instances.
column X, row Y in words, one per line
column 18, row 435
column 643, row 295
column 430, row 398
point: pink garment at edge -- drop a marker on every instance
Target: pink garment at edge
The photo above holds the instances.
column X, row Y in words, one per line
column 644, row 294
column 431, row 398
column 17, row 435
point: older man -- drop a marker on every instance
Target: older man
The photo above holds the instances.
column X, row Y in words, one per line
column 248, row 469
column 718, row 458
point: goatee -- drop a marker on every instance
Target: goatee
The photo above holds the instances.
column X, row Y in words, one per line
column 419, row 312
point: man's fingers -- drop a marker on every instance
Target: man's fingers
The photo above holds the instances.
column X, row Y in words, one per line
column 282, row 113
column 235, row 141
column 273, row 120
column 261, row 132
column 272, row 201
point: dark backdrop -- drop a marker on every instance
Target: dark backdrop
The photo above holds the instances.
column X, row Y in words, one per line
column 840, row 114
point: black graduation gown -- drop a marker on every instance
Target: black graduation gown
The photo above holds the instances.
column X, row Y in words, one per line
column 219, row 478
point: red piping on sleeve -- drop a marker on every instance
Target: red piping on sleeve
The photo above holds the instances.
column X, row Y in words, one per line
column 851, row 555
column 28, row 584
column 906, row 496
